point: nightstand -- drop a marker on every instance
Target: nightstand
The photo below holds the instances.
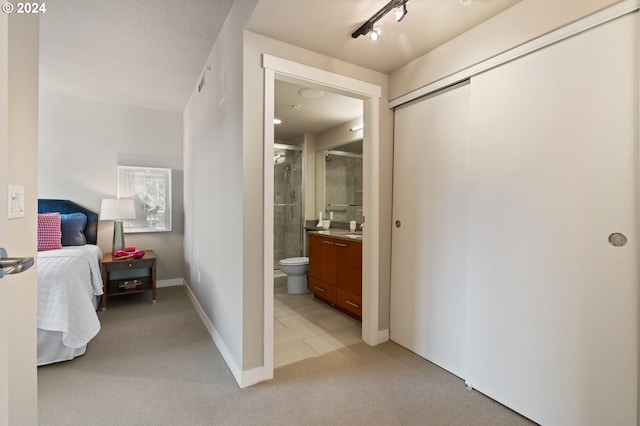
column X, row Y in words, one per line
column 124, row 285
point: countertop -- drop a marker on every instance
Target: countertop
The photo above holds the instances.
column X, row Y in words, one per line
column 343, row 234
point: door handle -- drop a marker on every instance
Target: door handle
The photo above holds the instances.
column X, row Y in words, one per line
column 13, row 265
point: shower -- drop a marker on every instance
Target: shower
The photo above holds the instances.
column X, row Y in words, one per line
column 288, row 206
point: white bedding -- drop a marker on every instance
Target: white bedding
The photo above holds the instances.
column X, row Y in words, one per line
column 69, row 280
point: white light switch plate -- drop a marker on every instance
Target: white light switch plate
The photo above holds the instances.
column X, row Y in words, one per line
column 16, row 201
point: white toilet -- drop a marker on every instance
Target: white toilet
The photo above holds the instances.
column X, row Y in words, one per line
column 296, row 269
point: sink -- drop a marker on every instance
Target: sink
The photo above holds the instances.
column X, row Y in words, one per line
column 358, row 236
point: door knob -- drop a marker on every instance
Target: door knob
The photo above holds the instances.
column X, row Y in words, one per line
column 13, row 265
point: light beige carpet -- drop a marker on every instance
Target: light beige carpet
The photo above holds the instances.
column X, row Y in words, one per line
column 157, row 365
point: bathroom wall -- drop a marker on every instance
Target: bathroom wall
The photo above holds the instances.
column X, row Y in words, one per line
column 334, row 139
column 343, row 187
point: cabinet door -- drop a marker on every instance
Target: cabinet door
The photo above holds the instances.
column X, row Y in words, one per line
column 349, row 302
column 349, row 266
column 322, row 290
column 322, row 258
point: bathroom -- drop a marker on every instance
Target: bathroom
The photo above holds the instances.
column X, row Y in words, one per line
column 317, row 170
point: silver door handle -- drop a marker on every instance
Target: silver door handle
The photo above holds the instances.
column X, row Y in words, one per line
column 13, row 265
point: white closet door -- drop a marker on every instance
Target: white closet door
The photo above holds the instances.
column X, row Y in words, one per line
column 431, row 154
column 553, row 323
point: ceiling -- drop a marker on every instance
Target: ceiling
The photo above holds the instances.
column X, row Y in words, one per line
column 325, row 26
column 145, row 53
column 149, row 53
column 300, row 114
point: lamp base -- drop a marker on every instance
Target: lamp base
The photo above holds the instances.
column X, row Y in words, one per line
column 118, row 236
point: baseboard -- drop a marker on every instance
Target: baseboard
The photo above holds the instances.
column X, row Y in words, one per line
column 383, row 336
column 169, row 283
column 243, row 378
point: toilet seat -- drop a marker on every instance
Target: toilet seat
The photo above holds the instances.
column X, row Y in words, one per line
column 293, row 261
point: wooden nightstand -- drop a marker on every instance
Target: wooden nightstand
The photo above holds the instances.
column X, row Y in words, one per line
column 122, row 286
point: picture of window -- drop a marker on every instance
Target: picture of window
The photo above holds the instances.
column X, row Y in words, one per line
column 150, row 188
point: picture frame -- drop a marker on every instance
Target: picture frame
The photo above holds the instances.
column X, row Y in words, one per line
column 150, row 188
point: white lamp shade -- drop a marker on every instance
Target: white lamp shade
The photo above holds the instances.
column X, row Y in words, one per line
column 117, row 209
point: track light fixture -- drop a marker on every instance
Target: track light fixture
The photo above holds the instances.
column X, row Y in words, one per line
column 401, row 11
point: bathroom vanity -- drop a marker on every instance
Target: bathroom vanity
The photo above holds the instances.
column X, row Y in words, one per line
column 335, row 270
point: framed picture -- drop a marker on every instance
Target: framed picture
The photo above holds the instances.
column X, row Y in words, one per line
column 150, row 188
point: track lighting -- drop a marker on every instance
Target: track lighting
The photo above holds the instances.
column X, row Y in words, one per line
column 400, row 13
column 375, row 34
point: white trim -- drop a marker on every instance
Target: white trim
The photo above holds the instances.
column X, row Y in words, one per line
column 169, row 283
column 243, row 378
column 285, row 68
column 383, row 336
column 598, row 18
column 293, row 72
column 269, row 137
column 371, row 237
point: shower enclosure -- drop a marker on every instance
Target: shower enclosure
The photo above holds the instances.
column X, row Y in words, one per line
column 288, row 205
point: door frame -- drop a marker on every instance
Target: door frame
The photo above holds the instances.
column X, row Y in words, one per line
column 281, row 69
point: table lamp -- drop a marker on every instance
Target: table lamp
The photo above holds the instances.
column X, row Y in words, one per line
column 117, row 209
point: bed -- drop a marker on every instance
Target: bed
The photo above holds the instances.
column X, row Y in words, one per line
column 69, row 280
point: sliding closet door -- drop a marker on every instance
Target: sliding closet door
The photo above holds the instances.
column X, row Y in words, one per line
column 553, row 288
column 431, row 155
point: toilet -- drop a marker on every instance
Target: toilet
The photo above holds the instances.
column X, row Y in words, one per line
column 296, row 269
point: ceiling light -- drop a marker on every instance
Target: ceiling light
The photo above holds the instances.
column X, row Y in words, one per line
column 368, row 26
column 310, row 93
column 375, row 34
column 277, row 121
column 296, row 107
column 466, row 2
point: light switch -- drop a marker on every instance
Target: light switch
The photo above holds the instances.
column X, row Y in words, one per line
column 16, row 201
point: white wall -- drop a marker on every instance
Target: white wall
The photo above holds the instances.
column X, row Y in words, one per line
column 81, row 143
column 215, row 234
column 521, row 23
column 18, row 149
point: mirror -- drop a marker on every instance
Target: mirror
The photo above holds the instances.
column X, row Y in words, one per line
column 343, row 182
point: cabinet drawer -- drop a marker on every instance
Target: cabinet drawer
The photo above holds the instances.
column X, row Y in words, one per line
column 322, row 289
column 349, row 301
column 130, row 264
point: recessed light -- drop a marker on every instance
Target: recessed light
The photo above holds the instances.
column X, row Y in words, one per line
column 277, row 121
column 311, row 93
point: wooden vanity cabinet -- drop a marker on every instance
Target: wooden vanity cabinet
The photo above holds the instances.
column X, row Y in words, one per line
column 335, row 272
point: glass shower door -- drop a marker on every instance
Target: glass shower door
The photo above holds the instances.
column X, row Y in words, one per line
column 287, row 203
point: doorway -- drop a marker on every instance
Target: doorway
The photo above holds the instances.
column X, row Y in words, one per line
column 318, row 159
column 281, row 69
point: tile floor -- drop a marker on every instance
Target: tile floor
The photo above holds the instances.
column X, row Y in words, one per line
column 306, row 328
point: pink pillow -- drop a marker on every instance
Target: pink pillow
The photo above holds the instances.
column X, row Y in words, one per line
column 49, row 231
